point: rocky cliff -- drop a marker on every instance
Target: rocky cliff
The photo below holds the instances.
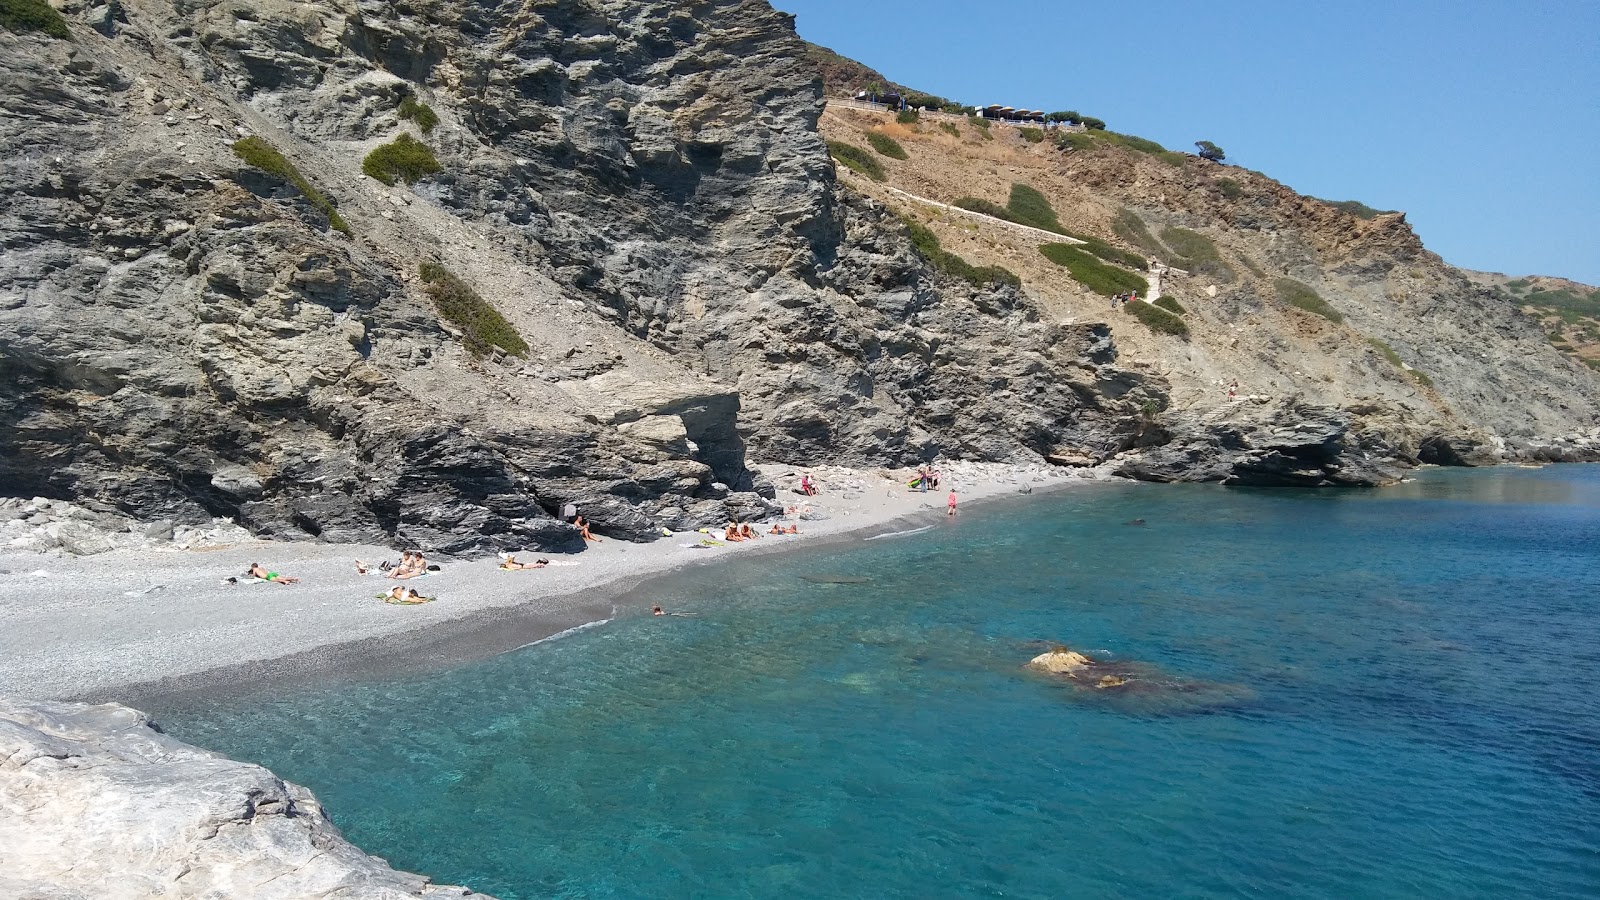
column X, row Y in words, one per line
column 650, row 273
column 1327, row 320
column 638, row 188
column 97, row 804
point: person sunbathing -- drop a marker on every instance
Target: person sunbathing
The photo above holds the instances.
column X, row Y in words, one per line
column 775, row 529
column 510, row 563
column 408, row 567
column 791, row 529
column 403, row 594
column 583, row 529
column 363, row 567
column 730, row 532
column 257, row 571
column 748, row 534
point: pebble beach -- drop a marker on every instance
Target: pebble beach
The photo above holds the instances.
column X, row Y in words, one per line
column 127, row 624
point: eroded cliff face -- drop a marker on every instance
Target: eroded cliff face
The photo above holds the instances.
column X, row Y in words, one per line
column 1411, row 361
column 638, row 187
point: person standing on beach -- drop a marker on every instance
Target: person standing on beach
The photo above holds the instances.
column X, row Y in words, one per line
column 950, row 504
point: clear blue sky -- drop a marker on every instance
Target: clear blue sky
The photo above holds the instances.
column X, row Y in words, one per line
column 1479, row 118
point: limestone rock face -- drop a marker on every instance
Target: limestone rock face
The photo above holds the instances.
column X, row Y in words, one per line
column 1279, row 444
column 96, row 804
column 638, row 186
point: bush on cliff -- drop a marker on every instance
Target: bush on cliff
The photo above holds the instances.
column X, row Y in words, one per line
column 1128, row 226
column 886, row 145
column 1170, row 304
column 481, row 324
column 1097, row 276
column 1196, row 254
column 907, row 117
column 403, row 159
column 857, row 160
column 1032, row 135
column 262, row 155
column 926, row 243
column 982, row 125
column 1296, row 294
column 1156, row 319
column 32, row 15
column 1029, row 207
column 420, row 113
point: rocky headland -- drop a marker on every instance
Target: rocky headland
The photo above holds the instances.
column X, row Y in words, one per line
column 97, row 804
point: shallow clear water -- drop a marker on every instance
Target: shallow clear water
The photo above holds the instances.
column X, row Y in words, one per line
column 1390, row 694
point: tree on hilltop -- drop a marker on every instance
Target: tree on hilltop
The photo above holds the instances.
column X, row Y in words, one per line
column 1210, row 151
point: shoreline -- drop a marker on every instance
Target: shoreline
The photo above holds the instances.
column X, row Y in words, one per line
column 175, row 633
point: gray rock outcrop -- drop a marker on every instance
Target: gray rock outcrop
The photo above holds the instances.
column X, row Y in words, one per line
column 1286, row 443
column 638, row 187
column 96, row 804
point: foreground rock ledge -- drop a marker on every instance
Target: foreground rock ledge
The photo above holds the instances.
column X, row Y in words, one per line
column 96, row 804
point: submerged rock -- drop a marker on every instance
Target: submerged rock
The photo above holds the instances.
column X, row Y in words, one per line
column 1134, row 686
column 836, row 579
column 97, row 804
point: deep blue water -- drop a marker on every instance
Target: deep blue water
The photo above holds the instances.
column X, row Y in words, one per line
column 1396, row 694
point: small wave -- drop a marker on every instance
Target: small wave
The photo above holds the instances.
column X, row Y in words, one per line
column 879, row 537
column 565, row 633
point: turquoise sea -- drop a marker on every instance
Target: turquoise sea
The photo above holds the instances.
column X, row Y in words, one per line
column 1347, row 694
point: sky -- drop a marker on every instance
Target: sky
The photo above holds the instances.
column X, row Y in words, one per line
column 1480, row 119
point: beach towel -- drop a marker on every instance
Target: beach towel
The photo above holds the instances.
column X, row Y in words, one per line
column 406, row 602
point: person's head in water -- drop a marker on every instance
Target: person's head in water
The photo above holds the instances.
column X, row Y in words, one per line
column 656, row 611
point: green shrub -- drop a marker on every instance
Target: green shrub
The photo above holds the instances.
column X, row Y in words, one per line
column 1029, row 207
column 950, row 129
column 1210, row 151
column 1422, row 377
column 973, row 204
column 886, row 145
column 1229, row 188
column 1173, row 158
column 1565, row 302
column 1356, row 208
column 982, row 125
column 257, row 152
column 483, row 326
column 420, row 113
column 926, row 243
column 1133, row 142
column 1592, row 363
column 1032, row 135
column 1076, row 140
column 1170, row 305
column 1195, row 253
column 1387, row 352
column 1518, row 285
column 1296, row 294
column 857, row 159
column 907, row 117
column 1128, row 226
column 403, row 159
column 33, row 15
column 1093, row 124
column 1093, row 274
column 1156, row 319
